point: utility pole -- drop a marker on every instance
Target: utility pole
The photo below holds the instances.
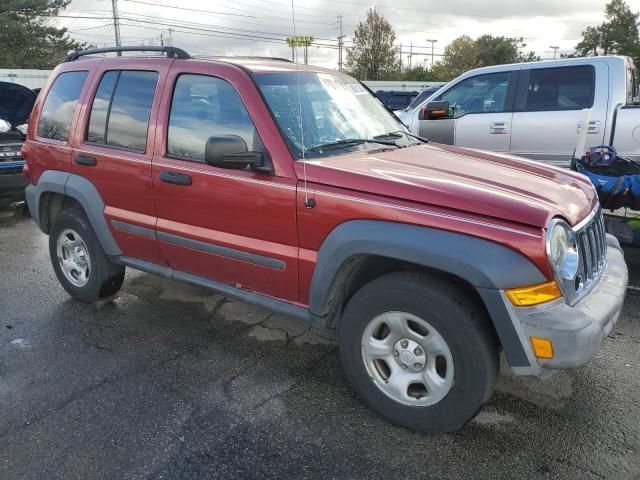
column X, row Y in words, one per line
column 116, row 23
column 161, row 40
column 170, row 42
column 410, row 54
column 432, row 43
column 340, row 43
column 400, row 57
column 555, row 51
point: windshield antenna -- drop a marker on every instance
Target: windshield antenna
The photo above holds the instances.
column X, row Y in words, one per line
column 308, row 202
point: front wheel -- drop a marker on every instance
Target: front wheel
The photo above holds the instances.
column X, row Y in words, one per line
column 419, row 351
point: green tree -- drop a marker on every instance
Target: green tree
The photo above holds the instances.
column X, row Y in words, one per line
column 617, row 35
column 464, row 54
column 27, row 38
column 373, row 55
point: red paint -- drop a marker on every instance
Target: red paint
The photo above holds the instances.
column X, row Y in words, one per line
column 495, row 197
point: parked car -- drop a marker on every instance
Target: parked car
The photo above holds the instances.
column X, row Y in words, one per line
column 16, row 102
column 396, row 99
column 535, row 109
column 422, row 96
column 428, row 259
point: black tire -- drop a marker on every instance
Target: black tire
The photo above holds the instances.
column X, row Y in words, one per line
column 459, row 320
column 104, row 278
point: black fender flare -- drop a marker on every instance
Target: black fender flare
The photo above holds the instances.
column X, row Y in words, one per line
column 488, row 266
column 84, row 192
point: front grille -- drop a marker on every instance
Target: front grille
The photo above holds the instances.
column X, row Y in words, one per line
column 592, row 248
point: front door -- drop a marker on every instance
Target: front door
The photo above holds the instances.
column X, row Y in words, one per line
column 233, row 226
column 548, row 111
column 481, row 111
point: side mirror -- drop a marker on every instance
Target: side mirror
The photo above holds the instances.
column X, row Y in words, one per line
column 434, row 110
column 230, row 151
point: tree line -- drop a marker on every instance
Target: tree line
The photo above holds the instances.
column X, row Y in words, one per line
column 374, row 53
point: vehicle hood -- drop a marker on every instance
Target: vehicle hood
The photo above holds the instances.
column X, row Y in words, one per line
column 485, row 183
column 404, row 116
column 16, row 102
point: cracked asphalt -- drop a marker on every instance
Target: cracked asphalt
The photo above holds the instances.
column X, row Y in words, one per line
column 170, row 381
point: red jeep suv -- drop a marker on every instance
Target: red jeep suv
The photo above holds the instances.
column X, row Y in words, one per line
column 293, row 188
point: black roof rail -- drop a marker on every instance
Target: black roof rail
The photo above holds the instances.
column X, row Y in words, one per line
column 170, row 51
column 242, row 57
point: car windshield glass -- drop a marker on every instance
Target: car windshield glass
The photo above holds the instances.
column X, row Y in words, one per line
column 424, row 94
column 333, row 109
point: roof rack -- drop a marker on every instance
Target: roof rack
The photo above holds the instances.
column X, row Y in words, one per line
column 242, row 57
column 171, row 52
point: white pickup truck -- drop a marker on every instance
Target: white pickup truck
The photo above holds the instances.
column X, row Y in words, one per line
column 535, row 109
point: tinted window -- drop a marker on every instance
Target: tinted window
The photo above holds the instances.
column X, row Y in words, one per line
column 97, row 131
column 481, row 94
column 122, row 105
column 57, row 112
column 565, row 88
column 204, row 106
column 399, row 100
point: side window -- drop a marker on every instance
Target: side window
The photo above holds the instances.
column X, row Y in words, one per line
column 57, row 112
column 121, row 108
column 481, row 94
column 97, row 131
column 563, row 88
column 203, row 106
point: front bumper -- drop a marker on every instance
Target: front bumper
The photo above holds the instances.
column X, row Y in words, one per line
column 12, row 183
column 577, row 331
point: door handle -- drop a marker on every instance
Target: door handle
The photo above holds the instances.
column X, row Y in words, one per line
column 594, row 127
column 175, row 178
column 499, row 128
column 85, row 160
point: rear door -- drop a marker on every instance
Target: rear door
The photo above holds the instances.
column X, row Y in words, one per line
column 481, row 110
column 548, row 110
column 115, row 149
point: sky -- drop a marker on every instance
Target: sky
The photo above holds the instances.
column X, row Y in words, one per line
column 258, row 27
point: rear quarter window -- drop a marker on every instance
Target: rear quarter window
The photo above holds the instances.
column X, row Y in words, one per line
column 57, row 112
column 560, row 88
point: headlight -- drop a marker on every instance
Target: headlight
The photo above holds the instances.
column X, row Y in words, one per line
column 562, row 250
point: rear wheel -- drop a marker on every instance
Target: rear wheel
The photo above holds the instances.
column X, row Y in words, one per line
column 80, row 264
column 419, row 351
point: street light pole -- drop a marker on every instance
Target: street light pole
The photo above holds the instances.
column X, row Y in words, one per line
column 555, row 51
column 432, row 43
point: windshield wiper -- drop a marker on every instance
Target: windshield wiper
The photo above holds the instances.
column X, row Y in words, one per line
column 399, row 133
column 348, row 142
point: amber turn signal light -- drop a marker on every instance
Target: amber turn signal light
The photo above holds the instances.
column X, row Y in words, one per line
column 542, row 347
column 533, row 294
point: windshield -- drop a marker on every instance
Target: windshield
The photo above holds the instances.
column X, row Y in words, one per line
column 424, row 94
column 336, row 111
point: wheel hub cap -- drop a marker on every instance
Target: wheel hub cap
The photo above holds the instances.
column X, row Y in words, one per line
column 407, row 358
column 409, row 355
column 73, row 257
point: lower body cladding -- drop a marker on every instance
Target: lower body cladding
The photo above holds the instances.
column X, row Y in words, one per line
column 572, row 334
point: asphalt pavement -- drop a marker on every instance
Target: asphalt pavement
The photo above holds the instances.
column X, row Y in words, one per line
column 170, row 381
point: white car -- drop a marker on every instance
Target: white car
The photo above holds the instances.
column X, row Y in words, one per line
column 535, row 109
